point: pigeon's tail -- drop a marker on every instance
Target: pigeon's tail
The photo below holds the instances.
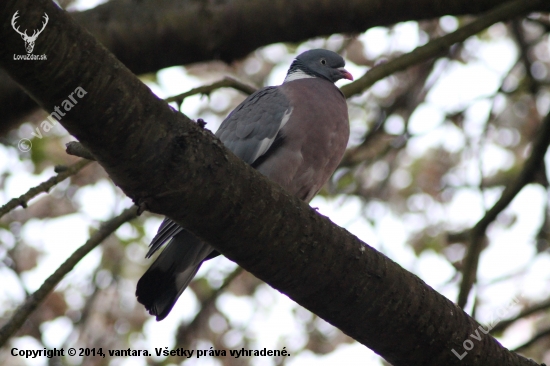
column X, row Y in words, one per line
column 161, row 286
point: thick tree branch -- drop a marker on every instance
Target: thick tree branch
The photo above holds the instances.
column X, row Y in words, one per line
column 184, row 32
column 33, row 301
column 161, row 159
column 19, row 102
column 42, row 187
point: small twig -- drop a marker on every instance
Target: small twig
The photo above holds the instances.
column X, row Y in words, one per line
column 77, row 149
column 185, row 330
column 538, row 336
column 32, row 302
column 525, row 312
column 43, row 187
column 436, row 47
column 506, row 277
column 523, row 45
column 226, row 82
column 409, row 98
column 477, row 233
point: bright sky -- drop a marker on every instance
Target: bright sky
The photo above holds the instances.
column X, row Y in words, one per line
column 272, row 320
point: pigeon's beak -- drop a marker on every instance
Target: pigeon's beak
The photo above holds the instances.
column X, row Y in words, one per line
column 345, row 73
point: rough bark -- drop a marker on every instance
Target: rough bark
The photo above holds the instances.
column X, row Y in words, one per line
column 171, row 166
column 149, row 35
column 175, row 32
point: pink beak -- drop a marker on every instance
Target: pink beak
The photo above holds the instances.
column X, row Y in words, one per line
column 345, row 73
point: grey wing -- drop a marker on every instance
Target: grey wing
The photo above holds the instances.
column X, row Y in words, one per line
column 250, row 130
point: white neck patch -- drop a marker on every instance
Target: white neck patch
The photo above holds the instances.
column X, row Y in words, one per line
column 297, row 75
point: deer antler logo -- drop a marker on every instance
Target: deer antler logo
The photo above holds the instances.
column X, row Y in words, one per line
column 29, row 40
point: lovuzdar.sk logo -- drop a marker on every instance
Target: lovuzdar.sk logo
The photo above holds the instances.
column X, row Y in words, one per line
column 29, row 40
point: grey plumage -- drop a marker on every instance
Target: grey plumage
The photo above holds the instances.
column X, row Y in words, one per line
column 251, row 128
column 295, row 134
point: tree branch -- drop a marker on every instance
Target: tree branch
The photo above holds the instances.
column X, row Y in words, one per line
column 184, row 32
column 185, row 331
column 33, row 301
column 525, row 312
column 540, row 335
column 439, row 46
column 42, row 187
column 407, row 100
column 477, row 234
column 226, row 82
column 75, row 148
column 160, row 158
column 523, row 46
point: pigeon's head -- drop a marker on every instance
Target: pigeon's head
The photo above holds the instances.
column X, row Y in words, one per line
column 318, row 63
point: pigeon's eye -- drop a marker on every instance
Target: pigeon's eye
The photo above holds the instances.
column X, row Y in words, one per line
column 323, row 61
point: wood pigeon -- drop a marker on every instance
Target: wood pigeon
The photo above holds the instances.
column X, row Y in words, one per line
column 295, row 134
